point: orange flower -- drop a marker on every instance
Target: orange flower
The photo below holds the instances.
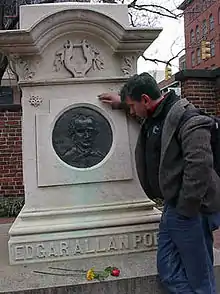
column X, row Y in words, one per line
column 90, row 275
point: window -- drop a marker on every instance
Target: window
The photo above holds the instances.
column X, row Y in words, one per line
column 198, row 56
column 212, row 47
column 219, row 15
column 193, row 13
column 197, row 33
column 211, row 22
column 190, row 15
column 193, row 59
column 197, row 10
column 192, row 36
column 209, row 2
column 204, row 4
column 6, row 95
column 204, row 28
column 183, row 65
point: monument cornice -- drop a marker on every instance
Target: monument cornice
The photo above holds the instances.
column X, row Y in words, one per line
column 40, row 35
column 73, row 81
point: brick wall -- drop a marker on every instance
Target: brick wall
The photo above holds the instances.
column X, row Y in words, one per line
column 201, row 93
column 11, row 178
column 218, row 96
column 202, row 88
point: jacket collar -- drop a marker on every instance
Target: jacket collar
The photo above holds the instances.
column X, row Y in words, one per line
column 163, row 107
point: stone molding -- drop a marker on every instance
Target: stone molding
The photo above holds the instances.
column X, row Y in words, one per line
column 36, row 39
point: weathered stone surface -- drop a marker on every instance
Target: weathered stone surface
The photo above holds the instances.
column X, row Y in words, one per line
column 82, row 193
column 138, row 274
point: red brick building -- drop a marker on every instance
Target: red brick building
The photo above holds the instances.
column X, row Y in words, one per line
column 201, row 22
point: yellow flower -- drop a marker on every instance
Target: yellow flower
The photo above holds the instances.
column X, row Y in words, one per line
column 90, row 275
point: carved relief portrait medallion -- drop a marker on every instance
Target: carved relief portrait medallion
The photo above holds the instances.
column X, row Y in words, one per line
column 82, row 137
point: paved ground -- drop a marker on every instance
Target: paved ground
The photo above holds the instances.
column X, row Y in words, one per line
column 217, row 239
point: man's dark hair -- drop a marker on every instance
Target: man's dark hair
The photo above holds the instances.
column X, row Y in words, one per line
column 138, row 85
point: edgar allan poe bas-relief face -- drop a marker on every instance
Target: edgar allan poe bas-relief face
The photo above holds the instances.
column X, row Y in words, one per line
column 82, row 137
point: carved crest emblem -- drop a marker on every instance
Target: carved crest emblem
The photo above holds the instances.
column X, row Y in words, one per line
column 78, row 58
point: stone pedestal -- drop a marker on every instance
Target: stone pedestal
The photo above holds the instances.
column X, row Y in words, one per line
column 82, row 193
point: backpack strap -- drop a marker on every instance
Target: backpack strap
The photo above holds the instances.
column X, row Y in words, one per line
column 189, row 113
column 215, row 133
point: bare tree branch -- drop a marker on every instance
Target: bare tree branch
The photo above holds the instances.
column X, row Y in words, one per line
column 155, row 60
column 171, row 47
column 131, row 19
column 132, row 4
column 154, row 6
column 174, row 57
column 176, row 42
column 156, row 9
column 167, row 62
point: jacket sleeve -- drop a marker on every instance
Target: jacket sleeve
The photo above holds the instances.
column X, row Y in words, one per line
column 195, row 139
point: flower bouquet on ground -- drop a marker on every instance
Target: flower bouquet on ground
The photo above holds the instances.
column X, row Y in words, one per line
column 91, row 274
column 102, row 275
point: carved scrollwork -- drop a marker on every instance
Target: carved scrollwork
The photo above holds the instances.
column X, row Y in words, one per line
column 127, row 66
column 21, row 67
column 78, row 65
column 35, row 101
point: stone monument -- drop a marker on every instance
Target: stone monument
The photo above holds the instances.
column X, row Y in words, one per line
column 82, row 193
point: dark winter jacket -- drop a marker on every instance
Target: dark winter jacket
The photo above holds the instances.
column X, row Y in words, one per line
column 187, row 179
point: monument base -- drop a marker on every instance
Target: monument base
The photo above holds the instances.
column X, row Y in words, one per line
column 138, row 274
column 63, row 235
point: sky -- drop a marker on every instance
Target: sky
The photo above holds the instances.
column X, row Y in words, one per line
column 173, row 30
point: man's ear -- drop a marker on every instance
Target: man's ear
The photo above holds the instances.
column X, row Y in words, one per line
column 145, row 98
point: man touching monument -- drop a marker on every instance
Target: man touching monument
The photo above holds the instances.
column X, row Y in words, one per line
column 175, row 163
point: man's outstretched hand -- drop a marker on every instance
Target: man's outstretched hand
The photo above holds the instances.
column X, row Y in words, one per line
column 112, row 99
